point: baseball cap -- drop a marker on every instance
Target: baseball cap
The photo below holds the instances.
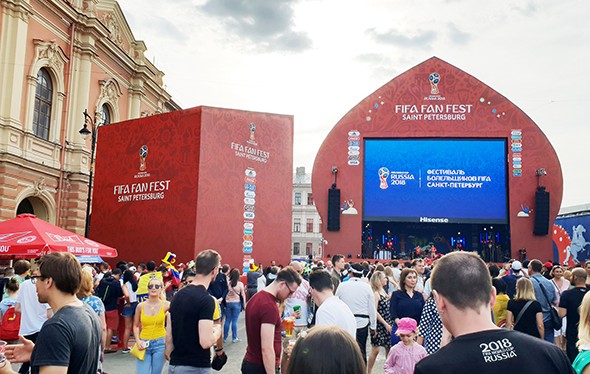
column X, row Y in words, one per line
column 516, row 265
column 548, row 265
column 406, row 326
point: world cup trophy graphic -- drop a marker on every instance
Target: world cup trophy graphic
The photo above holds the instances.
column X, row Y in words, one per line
column 252, row 130
column 434, row 79
column 383, row 174
column 143, row 152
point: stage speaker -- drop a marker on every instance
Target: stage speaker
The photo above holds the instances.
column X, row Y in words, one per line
column 334, row 209
column 541, row 212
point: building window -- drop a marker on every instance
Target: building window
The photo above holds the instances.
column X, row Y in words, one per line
column 297, row 198
column 309, row 227
column 43, row 97
column 309, row 199
column 296, row 248
column 308, row 248
column 296, row 225
column 106, row 114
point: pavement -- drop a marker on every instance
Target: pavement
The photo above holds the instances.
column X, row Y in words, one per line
column 115, row 363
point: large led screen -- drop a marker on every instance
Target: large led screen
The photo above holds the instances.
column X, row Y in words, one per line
column 435, row 180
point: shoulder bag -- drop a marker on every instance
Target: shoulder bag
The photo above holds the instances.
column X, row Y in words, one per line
column 555, row 319
column 522, row 311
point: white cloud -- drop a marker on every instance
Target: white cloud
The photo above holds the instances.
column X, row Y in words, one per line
column 315, row 59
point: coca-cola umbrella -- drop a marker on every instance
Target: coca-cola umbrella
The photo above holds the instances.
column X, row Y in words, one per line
column 27, row 236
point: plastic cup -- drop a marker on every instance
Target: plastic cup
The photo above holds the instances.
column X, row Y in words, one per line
column 289, row 326
column 2, row 351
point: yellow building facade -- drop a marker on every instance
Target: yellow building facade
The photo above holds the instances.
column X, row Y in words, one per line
column 59, row 58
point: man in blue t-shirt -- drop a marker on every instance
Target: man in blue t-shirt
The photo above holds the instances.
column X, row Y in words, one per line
column 68, row 342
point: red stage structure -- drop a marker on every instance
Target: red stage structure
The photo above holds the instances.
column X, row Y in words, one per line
column 431, row 103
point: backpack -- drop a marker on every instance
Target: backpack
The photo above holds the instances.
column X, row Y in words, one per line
column 10, row 324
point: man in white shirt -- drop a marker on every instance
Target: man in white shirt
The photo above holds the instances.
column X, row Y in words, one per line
column 360, row 298
column 300, row 298
column 33, row 313
column 332, row 311
column 420, row 267
column 396, row 270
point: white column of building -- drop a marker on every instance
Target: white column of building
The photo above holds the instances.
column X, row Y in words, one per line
column 80, row 86
column 13, row 45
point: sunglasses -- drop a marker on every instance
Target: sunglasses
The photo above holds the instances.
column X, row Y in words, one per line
column 152, row 286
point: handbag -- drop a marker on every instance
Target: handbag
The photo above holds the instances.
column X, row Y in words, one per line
column 242, row 302
column 139, row 354
column 555, row 319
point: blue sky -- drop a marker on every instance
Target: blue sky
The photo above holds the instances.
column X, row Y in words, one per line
column 316, row 59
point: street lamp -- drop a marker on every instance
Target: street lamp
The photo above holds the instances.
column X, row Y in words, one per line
column 85, row 132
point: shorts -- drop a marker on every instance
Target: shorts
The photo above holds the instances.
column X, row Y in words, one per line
column 129, row 310
column 112, row 317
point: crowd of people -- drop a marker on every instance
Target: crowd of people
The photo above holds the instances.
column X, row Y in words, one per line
column 455, row 315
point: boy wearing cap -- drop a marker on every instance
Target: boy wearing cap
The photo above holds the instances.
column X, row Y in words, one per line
column 462, row 289
column 512, row 278
column 404, row 356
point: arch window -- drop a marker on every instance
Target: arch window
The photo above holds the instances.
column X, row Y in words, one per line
column 43, row 101
column 106, row 114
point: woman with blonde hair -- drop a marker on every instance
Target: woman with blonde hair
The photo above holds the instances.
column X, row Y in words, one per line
column 86, row 294
column 392, row 284
column 561, row 285
column 382, row 334
column 150, row 317
column 582, row 361
column 524, row 312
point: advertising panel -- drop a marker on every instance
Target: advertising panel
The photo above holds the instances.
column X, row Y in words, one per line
column 435, row 180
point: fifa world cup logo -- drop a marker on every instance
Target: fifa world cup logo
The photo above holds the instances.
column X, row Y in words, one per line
column 143, row 152
column 383, row 174
column 434, row 79
column 252, row 130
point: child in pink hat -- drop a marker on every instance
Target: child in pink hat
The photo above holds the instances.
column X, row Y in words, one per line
column 405, row 355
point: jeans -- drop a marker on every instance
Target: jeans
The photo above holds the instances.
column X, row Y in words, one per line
column 178, row 369
column 361, row 338
column 549, row 332
column 154, row 358
column 232, row 311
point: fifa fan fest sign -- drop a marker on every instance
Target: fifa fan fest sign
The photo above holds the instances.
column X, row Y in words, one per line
column 195, row 179
column 435, row 147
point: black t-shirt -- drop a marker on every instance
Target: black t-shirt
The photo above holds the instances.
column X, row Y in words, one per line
column 109, row 291
column 188, row 307
column 528, row 321
column 571, row 301
column 494, row 352
column 70, row 338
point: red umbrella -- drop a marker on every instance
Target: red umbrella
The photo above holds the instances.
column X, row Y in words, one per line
column 29, row 236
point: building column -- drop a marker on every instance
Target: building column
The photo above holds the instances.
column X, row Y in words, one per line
column 13, row 45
